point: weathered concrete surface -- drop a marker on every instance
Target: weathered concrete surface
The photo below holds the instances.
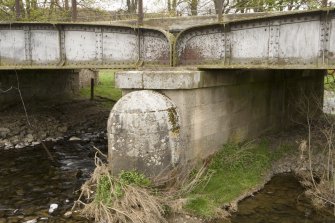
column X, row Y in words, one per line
column 38, row 85
column 143, row 133
column 85, row 76
column 219, row 106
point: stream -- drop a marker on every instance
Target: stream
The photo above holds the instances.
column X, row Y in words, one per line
column 30, row 183
column 282, row 200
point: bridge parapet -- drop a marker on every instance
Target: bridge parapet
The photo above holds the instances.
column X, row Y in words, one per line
column 66, row 45
column 300, row 40
column 303, row 40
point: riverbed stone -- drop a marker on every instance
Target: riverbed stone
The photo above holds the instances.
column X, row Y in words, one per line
column 29, row 138
column 30, row 221
column 4, row 132
column 74, row 138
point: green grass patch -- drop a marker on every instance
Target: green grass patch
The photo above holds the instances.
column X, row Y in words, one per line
column 127, row 197
column 235, row 170
column 104, row 89
column 111, row 188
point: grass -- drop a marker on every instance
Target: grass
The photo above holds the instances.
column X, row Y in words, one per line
column 104, row 89
column 132, row 197
column 107, row 183
column 125, row 198
column 235, row 170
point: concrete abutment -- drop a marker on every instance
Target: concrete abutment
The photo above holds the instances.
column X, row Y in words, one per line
column 212, row 107
column 42, row 84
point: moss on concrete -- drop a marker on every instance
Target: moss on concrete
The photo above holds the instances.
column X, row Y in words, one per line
column 173, row 119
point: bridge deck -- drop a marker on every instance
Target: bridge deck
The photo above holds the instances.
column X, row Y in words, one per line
column 301, row 40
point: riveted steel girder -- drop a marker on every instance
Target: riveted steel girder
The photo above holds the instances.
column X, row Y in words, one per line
column 301, row 40
column 68, row 45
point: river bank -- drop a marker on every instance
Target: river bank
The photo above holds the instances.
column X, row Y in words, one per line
column 71, row 128
column 54, row 120
column 83, row 119
column 78, row 142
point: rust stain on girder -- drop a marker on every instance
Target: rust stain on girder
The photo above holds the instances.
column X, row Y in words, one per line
column 189, row 48
column 158, row 48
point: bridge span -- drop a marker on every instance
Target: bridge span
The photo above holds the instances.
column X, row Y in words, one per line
column 188, row 94
column 300, row 40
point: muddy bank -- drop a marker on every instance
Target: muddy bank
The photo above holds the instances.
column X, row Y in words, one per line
column 83, row 119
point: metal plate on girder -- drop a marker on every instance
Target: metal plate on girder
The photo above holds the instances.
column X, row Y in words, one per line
column 45, row 47
column 295, row 41
column 38, row 45
column 12, row 47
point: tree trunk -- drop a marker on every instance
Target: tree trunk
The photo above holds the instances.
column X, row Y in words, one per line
column 28, row 5
column 18, row 9
column 324, row 3
column 131, row 6
column 218, row 4
column 33, row 4
column 140, row 12
column 128, row 6
column 66, row 5
column 74, row 10
column 174, row 5
column 194, row 7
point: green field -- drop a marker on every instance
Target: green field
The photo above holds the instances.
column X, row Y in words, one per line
column 104, row 89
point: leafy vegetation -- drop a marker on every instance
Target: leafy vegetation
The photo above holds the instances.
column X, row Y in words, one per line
column 88, row 10
column 107, row 183
column 119, row 199
column 230, row 173
column 235, row 170
column 330, row 81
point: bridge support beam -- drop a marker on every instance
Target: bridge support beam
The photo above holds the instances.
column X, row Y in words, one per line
column 168, row 117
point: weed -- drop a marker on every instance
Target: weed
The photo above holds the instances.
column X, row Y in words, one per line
column 133, row 177
column 235, row 170
column 125, row 198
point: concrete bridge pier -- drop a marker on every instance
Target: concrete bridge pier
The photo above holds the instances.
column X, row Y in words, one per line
column 168, row 117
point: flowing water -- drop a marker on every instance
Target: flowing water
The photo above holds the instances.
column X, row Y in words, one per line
column 281, row 201
column 30, row 182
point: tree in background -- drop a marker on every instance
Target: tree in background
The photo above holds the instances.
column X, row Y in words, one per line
column 50, row 10
column 62, row 10
column 132, row 6
column 74, row 10
column 194, row 6
column 244, row 6
column 18, row 9
column 172, row 6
